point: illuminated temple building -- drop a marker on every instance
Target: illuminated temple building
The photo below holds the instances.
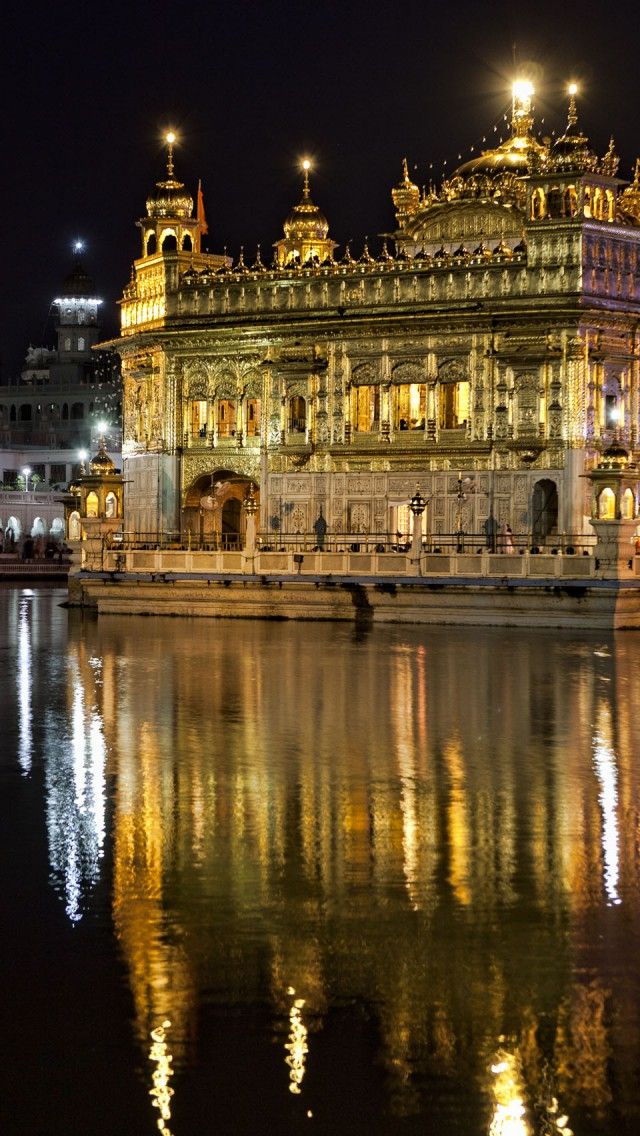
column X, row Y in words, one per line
column 492, row 339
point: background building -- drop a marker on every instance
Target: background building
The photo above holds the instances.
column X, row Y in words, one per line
column 490, row 357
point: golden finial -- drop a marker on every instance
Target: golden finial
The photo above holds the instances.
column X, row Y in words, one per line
column 170, row 138
column 522, row 93
column 306, row 166
column 611, row 161
column 636, row 173
column 405, row 172
column 572, row 116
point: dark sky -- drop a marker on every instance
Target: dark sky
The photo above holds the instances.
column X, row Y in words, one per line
column 251, row 87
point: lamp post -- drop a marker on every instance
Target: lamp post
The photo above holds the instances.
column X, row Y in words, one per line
column 250, row 506
column 417, row 505
column 82, row 457
column 26, row 473
column 461, row 498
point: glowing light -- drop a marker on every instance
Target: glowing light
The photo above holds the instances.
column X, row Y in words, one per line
column 522, row 90
column 509, row 1115
column 161, row 1091
column 573, row 89
column 24, row 682
column 604, row 760
column 306, row 164
column 170, row 137
column 78, row 245
column 296, row 1045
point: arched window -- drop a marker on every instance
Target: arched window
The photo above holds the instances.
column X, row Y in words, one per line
column 187, row 243
column 409, row 406
column 111, row 505
column 365, row 409
column 74, row 525
column 199, row 418
column 627, row 505
column 92, row 504
column 25, row 412
column 226, row 417
column 611, row 411
column 169, row 243
column 81, row 343
column 12, row 414
column 65, row 411
column 570, row 202
column 297, row 415
column 77, row 410
column 607, row 505
column 253, row 417
column 152, row 244
column 454, row 405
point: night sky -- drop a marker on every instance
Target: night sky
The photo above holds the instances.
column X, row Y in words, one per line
column 87, row 91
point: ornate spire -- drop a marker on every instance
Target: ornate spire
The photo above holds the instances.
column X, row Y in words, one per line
column 572, row 115
column 611, row 161
column 170, row 139
column 306, row 231
column 522, row 93
column 405, row 196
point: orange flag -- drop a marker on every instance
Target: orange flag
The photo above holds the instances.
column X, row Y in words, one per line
column 204, row 228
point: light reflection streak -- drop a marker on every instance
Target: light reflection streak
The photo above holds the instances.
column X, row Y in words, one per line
column 509, row 1115
column 76, row 799
column 24, row 682
column 161, row 1091
column 605, row 763
column 296, row 1045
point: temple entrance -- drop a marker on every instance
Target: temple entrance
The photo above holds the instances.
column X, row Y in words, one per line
column 544, row 510
column 212, row 516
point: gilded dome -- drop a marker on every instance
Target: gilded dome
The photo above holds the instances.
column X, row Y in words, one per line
column 305, row 221
column 572, row 150
column 170, row 200
column 101, row 463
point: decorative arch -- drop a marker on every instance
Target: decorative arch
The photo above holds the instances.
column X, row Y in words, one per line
column 169, row 240
column 364, row 374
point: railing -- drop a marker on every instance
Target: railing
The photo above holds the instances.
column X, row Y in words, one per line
column 435, row 544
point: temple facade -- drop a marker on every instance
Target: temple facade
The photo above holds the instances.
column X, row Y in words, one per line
column 488, row 354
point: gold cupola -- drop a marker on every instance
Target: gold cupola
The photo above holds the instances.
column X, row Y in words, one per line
column 405, row 197
column 629, row 200
column 306, row 232
column 571, row 152
column 169, row 225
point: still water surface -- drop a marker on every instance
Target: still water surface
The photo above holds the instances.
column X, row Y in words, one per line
column 269, row 878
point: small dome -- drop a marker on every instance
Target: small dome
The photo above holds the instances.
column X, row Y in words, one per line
column 78, row 283
column 171, row 200
column 405, row 195
column 101, row 463
column 305, row 221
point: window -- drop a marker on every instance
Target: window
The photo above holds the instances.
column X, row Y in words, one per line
column 81, row 343
column 253, row 417
column 226, row 417
column 92, row 504
column 611, row 411
column 454, row 405
column 365, row 409
column 111, row 505
column 25, row 412
column 77, row 411
column 199, row 418
column 410, row 406
column 297, row 415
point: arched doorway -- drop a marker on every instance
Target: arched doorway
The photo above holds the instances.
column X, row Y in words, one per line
column 231, row 523
column 212, row 515
column 544, row 510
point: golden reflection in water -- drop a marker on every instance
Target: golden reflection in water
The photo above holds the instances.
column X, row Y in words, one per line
column 161, row 1091
column 296, row 1046
column 509, row 1116
column 367, row 821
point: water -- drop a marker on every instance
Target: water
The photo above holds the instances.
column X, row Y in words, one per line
column 381, row 882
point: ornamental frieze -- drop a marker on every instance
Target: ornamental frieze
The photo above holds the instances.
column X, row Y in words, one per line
column 409, row 371
column 196, row 465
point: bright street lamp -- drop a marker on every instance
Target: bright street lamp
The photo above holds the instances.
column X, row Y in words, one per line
column 26, row 473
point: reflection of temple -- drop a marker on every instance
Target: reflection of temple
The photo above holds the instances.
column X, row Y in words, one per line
column 414, row 861
column 498, row 338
